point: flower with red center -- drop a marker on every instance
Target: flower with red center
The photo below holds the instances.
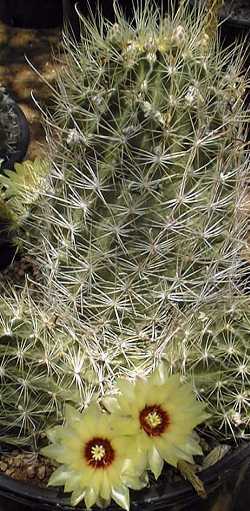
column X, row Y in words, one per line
column 97, row 462
column 161, row 414
column 99, row 452
column 154, row 420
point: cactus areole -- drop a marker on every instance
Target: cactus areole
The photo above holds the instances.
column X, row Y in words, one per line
column 138, row 233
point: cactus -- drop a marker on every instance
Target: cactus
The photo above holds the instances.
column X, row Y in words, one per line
column 19, row 191
column 139, row 228
column 147, row 171
column 39, row 363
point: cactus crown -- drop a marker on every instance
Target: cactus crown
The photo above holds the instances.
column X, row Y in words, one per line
column 139, row 226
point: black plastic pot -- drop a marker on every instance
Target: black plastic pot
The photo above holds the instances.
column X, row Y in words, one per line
column 161, row 495
column 21, row 148
column 17, row 153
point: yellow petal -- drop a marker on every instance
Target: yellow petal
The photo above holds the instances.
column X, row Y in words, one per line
column 173, row 453
column 170, row 456
column 124, row 426
column 126, row 388
column 160, row 376
column 77, row 496
column 182, row 454
column 90, row 497
column 155, row 461
column 136, row 483
column 105, row 490
column 192, row 446
column 156, row 395
column 54, row 434
column 120, row 494
column 111, row 404
column 74, row 483
column 71, row 414
column 55, row 452
column 60, row 476
column 136, row 465
column 100, row 502
column 125, row 405
column 93, row 409
column 83, row 429
column 124, row 444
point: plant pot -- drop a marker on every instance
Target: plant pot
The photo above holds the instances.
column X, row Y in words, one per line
column 161, row 495
column 31, row 13
column 10, row 156
column 18, row 148
column 232, row 26
column 7, row 254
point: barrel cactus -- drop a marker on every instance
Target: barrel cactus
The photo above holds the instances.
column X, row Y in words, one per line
column 139, row 228
column 147, row 172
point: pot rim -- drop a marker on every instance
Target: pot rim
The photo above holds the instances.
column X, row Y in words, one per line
column 157, row 496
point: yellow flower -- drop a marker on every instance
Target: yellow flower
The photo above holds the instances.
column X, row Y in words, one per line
column 161, row 414
column 97, row 462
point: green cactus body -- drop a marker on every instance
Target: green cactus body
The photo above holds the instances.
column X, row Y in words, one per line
column 147, row 173
column 139, row 225
column 40, row 366
column 212, row 349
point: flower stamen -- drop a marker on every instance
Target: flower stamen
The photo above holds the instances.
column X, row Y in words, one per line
column 154, row 420
column 99, row 452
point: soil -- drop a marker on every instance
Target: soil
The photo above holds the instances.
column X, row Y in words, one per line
column 29, row 467
column 18, row 270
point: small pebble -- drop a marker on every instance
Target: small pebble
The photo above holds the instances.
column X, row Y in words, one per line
column 41, row 472
column 10, row 471
column 30, row 472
